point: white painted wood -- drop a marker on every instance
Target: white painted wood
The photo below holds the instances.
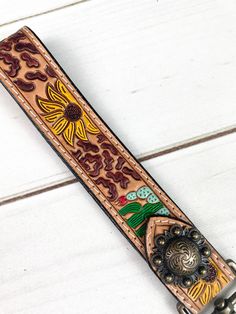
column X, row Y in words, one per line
column 61, row 254
column 13, row 10
column 158, row 72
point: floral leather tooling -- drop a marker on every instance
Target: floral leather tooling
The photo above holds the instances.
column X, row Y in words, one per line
column 176, row 251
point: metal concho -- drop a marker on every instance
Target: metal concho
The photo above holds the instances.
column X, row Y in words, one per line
column 182, row 256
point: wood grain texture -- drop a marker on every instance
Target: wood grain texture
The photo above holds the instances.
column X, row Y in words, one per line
column 158, row 72
column 15, row 10
column 60, row 253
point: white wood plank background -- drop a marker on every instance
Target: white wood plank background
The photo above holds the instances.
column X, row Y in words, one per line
column 18, row 10
column 54, row 260
column 162, row 74
column 169, row 65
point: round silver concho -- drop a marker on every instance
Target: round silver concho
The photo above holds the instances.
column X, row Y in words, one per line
column 182, row 257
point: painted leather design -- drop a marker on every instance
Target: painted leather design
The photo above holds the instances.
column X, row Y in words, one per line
column 120, row 185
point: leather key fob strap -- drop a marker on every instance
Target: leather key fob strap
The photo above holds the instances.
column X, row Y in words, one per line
column 177, row 252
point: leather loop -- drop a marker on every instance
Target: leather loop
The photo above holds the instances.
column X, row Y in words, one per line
column 110, row 173
column 181, row 257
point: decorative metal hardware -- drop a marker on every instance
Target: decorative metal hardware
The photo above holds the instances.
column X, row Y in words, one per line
column 182, row 309
column 181, row 257
column 232, row 265
column 222, row 306
column 225, row 306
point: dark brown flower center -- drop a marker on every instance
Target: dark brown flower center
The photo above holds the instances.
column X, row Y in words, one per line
column 72, row 112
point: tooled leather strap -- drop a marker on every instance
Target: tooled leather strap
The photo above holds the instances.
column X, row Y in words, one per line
column 178, row 254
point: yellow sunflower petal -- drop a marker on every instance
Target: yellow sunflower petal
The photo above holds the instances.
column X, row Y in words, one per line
column 80, row 130
column 64, row 91
column 60, row 126
column 216, row 288
column 53, row 95
column 207, row 295
column 52, row 117
column 223, row 279
column 196, row 290
column 49, row 106
column 90, row 126
column 69, row 133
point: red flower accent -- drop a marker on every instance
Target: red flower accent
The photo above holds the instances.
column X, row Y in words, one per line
column 122, row 200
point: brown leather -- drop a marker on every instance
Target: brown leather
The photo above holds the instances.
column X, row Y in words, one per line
column 120, row 185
